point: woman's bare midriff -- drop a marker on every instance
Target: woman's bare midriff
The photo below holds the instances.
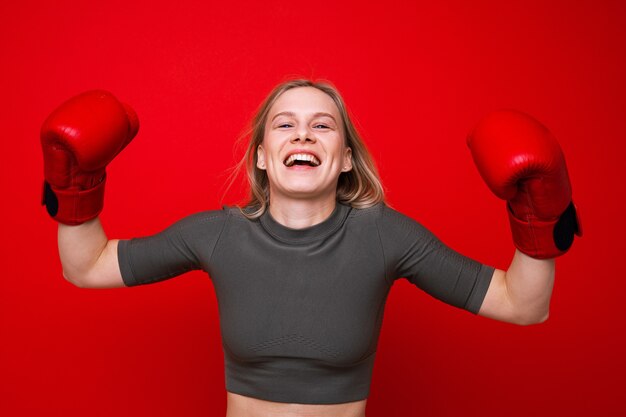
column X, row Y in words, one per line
column 242, row 406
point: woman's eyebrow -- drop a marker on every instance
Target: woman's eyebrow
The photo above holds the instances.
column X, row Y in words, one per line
column 284, row 113
column 292, row 114
column 322, row 114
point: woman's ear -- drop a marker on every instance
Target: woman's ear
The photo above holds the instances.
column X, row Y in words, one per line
column 347, row 160
column 260, row 158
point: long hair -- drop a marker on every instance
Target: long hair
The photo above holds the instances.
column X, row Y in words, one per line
column 360, row 188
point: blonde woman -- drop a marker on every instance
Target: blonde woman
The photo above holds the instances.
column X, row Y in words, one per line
column 302, row 271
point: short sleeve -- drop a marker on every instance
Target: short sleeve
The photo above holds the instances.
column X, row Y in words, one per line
column 413, row 252
column 184, row 246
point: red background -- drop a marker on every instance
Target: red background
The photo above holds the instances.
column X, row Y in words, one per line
column 417, row 76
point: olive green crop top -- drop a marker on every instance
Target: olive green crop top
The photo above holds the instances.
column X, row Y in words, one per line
column 301, row 309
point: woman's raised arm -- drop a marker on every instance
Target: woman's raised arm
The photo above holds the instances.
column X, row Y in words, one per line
column 522, row 163
column 78, row 140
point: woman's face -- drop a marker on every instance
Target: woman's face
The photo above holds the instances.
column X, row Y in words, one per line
column 303, row 149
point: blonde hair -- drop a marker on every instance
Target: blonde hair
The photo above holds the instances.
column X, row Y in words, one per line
column 360, row 188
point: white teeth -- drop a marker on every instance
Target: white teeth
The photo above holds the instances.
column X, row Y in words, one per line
column 302, row 157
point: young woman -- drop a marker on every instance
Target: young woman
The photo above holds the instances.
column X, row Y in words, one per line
column 302, row 272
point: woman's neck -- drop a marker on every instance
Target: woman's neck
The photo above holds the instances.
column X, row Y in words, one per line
column 301, row 213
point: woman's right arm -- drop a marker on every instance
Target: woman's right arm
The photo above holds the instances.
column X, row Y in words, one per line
column 88, row 257
column 79, row 138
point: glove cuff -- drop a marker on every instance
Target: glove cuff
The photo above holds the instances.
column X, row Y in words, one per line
column 73, row 206
column 543, row 239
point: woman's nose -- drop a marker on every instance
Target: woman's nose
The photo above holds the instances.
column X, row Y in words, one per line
column 304, row 135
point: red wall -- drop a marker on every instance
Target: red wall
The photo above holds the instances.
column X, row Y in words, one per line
column 416, row 77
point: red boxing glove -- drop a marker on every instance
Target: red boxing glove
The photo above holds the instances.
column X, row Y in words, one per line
column 78, row 140
column 522, row 163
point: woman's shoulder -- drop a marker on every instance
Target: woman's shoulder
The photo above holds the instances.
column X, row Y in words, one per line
column 372, row 211
column 368, row 214
column 201, row 220
column 225, row 212
column 385, row 216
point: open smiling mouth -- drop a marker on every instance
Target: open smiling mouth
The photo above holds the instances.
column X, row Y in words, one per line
column 302, row 159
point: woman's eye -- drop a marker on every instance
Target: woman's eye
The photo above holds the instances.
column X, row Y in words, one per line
column 283, row 125
column 321, row 126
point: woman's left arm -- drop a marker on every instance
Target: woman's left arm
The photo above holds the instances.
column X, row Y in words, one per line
column 523, row 163
column 520, row 295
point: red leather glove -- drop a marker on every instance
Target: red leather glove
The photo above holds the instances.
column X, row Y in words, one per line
column 78, row 140
column 522, row 163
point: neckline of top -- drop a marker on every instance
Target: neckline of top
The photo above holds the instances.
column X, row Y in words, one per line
column 307, row 234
